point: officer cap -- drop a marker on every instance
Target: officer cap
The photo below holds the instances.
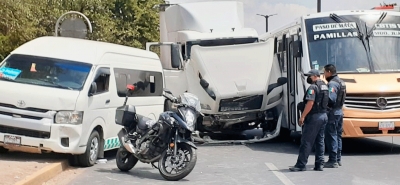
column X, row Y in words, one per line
column 312, row 72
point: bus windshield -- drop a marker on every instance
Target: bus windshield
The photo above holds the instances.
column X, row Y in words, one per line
column 43, row 71
column 338, row 43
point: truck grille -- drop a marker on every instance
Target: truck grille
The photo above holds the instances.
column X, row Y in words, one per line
column 373, row 101
column 241, row 104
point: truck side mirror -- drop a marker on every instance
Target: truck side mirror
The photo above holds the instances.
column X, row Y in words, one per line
column 297, row 50
column 175, row 56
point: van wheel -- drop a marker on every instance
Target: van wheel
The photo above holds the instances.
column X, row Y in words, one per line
column 73, row 160
column 3, row 150
column 92, row 150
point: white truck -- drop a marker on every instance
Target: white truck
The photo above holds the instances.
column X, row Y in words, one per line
column 206, row 50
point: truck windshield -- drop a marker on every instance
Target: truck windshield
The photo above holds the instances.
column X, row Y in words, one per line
column 42, row 71
column 336, row 43
column 217, row 42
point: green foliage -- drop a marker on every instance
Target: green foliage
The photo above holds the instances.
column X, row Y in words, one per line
column 126, row 22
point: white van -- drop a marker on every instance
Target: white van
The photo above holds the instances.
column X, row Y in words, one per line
column 60, row 94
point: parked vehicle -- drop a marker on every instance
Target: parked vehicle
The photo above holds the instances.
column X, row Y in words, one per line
column 73, row 87
column 167, row 140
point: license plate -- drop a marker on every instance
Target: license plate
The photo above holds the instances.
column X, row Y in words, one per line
column 13, row 140
column 386, row 125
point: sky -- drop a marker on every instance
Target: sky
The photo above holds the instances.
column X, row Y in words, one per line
column 289, row 10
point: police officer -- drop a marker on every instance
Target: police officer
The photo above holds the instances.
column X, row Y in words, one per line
column 314, row 119
column 334, row 128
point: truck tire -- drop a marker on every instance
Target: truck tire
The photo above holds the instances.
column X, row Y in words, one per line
column 89, row 158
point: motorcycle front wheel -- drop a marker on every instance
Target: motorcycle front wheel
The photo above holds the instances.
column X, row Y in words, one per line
column 125, row 160
column 174, row 168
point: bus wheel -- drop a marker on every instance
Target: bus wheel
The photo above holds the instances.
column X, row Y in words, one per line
column 89, row 158
column 3, row 150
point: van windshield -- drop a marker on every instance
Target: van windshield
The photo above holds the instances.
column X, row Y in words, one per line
column 42, row 71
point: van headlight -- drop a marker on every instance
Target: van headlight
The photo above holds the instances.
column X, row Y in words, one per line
column 69, row 117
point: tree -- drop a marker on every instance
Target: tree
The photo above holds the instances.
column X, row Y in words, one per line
column 137, row 21
column 126, row 22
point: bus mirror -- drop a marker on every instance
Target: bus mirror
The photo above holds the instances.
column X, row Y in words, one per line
column 281, row 81
column 175, row 56
column 297, row 51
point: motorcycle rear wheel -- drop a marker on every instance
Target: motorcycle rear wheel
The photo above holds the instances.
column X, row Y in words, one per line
column 125, row 160
column 167, row 160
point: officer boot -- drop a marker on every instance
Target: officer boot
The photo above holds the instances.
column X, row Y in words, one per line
column 331, row 164
column 318, row 167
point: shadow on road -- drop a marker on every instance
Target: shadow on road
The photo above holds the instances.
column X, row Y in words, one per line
column 351, row 147
column 139, row 172
column 29, row 157
column 369, row 146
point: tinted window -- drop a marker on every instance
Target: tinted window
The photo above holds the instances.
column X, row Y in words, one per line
column 153, row 82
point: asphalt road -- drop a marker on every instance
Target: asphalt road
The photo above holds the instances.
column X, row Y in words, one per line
column 365, row 162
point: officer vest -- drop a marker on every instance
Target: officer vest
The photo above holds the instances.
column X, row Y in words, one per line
column 321, row 98
column 341, row 94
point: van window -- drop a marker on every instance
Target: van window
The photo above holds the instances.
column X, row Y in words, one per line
column 102, row 80
column 153, row 82
column 43, row 71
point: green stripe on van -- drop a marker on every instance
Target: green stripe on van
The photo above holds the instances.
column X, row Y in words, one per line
column 111, row 143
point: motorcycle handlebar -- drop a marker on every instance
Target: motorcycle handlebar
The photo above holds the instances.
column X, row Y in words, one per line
column 172, row 99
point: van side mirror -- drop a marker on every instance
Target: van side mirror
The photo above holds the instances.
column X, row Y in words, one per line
column 175, row 56
column 297, row 50
column 93, row 89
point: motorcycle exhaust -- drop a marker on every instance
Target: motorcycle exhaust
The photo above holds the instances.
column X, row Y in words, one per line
column 127, row 144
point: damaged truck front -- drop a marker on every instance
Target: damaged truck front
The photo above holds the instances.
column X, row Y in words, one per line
column 213, row 56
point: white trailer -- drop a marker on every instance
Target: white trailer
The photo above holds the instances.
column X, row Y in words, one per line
column 206, row 50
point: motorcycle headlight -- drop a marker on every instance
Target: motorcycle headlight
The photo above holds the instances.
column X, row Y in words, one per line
column 69, row 117
column 190, row 119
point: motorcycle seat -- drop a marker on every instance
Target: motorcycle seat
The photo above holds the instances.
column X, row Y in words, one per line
column 144, row 122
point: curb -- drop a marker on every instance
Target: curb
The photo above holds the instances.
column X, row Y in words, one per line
column 44, row 174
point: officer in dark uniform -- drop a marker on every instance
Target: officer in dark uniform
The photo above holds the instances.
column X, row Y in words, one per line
column 314, row 119
column 334, row 128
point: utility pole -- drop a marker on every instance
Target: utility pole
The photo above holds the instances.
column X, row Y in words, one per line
column 266, row 20
column 318, row 6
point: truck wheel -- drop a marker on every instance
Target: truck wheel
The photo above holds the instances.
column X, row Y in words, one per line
column 3, row 150
column 92, row 150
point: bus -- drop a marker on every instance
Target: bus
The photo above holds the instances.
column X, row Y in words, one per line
column 364, row 46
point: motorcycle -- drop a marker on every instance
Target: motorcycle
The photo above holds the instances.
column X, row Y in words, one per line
column 167, row 140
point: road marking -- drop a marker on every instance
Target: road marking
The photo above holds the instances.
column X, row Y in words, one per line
column 280, row 175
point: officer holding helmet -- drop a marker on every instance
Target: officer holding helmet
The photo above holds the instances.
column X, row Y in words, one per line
column 314, row 119
column 334, row 128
